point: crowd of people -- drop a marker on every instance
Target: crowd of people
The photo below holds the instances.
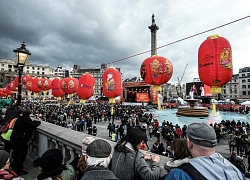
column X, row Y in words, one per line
column 191, row 148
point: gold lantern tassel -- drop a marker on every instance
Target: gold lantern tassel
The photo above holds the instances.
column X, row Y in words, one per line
column 215, row 90
column 82, row 101
column 159, row 103
column 213, row 109
column 112, row 110
column 157, row 88
column 68, row 103
column 111, row 100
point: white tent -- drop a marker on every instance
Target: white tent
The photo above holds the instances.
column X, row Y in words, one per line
column 246, row 104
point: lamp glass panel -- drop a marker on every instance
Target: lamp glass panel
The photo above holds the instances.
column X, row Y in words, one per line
column 22, row 57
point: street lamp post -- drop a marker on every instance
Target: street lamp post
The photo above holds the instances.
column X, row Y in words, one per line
column 22, row 55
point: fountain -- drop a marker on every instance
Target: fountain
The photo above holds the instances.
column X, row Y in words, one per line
column 193, row 110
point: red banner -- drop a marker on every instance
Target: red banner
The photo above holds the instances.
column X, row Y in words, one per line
column 142, row 97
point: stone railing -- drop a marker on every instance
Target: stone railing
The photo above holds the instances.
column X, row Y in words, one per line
column 49, row 136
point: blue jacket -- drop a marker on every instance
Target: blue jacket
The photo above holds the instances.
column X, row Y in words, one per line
column 211, row 167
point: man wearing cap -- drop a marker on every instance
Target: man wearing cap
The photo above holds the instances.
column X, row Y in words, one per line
column 205, row 162
column 99, row 156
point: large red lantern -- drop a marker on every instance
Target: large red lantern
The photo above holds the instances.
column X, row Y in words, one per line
column 86, row 86
column 44, row 84
column 25, row 78
column 215, row 62
column 56, row 88
column 15, row 81
column 35, row 87
column 7, row 90
column 69, row 85
column 2, row 93
column 29, row 84
column 111, row 83
column 156, row 70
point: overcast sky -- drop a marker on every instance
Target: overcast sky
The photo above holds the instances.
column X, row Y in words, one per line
column 88, row 33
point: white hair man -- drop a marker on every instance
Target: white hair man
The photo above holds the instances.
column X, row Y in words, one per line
column 205, row 162
column 98, row 159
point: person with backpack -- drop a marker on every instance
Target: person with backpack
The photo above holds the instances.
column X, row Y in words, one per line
column 238, row 162
column 205, row 162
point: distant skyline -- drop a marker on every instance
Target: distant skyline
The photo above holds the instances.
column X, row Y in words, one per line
column 91, row 33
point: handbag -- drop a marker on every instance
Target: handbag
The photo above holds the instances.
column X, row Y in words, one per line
column 4, row 128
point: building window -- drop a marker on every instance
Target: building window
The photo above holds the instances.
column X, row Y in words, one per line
column 244, row 87
column 2, row 65
column 42, row 73
column 2, row 69
column 38, row 68
column 248, row 92
column 37, row 72
column 43, row 69
column 248, row 74
column 243, row 80
column 248, row 80
column 248, row 86
column 33, row 72
column 243, row 92
column 27, row 67
column 33, row 68
column 243, row 75
column 28, row 72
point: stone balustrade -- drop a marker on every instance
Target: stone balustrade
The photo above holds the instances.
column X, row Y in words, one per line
column 49, row 136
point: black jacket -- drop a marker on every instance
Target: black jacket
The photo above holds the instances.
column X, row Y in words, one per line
column 23, row 128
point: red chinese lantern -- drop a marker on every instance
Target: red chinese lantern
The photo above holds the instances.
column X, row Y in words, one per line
column 2, row 93
column 111, row 83
column 25, row 78
column 69, row 85
column 35, row 87
column 156, row 70
column 29, row 84
column 12, row 86
column 7, row 90
column 56, row 88
column 86, row 86
column 15, row 81
column 44, row 84
column 215, row 62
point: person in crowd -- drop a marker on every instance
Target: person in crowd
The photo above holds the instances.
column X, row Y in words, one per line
column 239, row 143
column 161, row 149
column 201, row 142
column 217, row 132
column 5, row 172
column 169, row 152
column 231, row 141
column 12, row 112
column 155, row 148
column 245, row 142
column 150, row 131
column 21, row 134
column 99, row 157
column 52, row 168
column 94, row 131
column 238, row 162
column 129, row 163
column 80, row 162
column 181, row 154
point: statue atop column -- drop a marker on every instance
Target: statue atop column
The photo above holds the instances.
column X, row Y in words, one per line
column 153, row 28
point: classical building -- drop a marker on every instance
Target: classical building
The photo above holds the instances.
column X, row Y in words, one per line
column 9, row 71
